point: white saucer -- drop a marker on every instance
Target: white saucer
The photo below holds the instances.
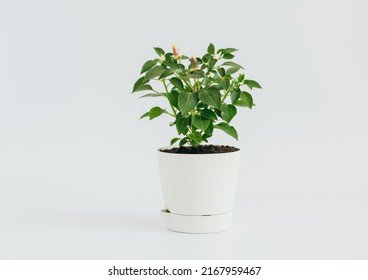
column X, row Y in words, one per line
column 197, row 224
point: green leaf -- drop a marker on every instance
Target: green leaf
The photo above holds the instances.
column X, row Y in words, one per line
column 196, row 137
column 154, row 94
column 216, row 78
column 252, row 84
column 196, row 74
column 227, row 129
column 247, row 99
column 187, row 101
column 211, row 63
column 234, row 95
column 200, row 122
column 228, row 112
column 159, row 51
column 232, row 70
column 211, row 48
column 206, row 81
column 201, row 105
column 182, row 124
column 209, row 130
column 218, row 112
column 148, row 65
column 230, row 63
column 143, row 87
column 144, row 115
column 208, row 114
column 173, row 65
column 241, row 78
column 211, row 96
column 221, row 72
column 169, row 57
column 177, row 83
column 240, row 103
column 139, row 83
column 225, row 84
column 154, row 113
column 230, row 50
column 227, row 56
column 173, row 141
column 173, row 98
column 183, row 141
column 166, row 73
column 154, row 72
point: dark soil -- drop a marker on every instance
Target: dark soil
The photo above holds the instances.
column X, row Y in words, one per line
column 201, row 149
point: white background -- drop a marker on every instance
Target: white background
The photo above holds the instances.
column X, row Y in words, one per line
column 78, row 170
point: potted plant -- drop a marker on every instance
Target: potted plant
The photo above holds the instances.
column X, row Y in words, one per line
column 198, row 181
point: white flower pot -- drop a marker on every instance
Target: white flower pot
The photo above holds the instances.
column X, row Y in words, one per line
column 199, row 190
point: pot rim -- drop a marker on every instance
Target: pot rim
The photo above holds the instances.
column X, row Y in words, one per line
column 159, row 150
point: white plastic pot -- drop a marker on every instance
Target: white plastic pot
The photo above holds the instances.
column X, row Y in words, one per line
column 199, row 190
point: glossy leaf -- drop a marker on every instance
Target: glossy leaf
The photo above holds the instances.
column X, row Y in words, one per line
column 252, row 84
column 182, row 124
column 173, row 141
column 221, row 72
column 228, row 112
column 154, row 94
column 143, row 87
column 153, row 113
column 166, row 73
column 173, row 98
column 230, row 63
column 211, row 48
column 196, row 137
column 230, row 50
column 211, row 96
column 227, row 129
column 196, row 75
column 232, row 70
column 228, row 56
column 199, row 122
column 234, row 95
column 159, row 51
column 187, row 101
column 154, row 72
column 225, row 84
column 139, row 83
column 183, row 141
column 209, row 130
column 148, row 65
column 177, row 83
column 208, row 114
column 247, row 99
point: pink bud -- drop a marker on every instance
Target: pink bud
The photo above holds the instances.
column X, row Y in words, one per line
column 176, row 52
column 193, row 60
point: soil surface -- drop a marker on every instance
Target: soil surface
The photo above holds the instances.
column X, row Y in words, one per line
column 201, row 149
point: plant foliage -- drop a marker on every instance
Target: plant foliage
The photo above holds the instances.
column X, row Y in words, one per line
column 203, row 94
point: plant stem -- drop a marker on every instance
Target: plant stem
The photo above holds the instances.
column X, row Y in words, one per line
column 186, row 82
column 169, row 114
column 167, row 91
column 226, row 93
column 157, row 92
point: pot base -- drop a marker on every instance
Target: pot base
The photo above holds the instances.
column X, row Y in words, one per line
column 197, row 224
